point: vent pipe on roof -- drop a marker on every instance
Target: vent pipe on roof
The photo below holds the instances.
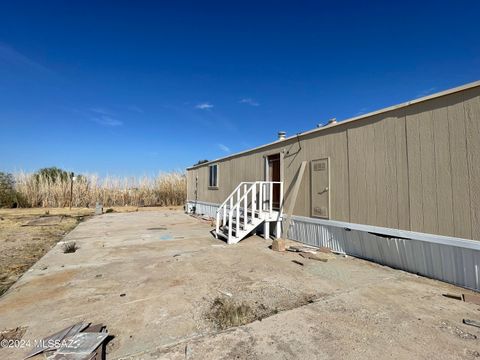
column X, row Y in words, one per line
column 282, row 135
column 332, row 121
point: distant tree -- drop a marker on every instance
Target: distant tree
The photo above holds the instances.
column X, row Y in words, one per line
column 81, row 178
column 8, row 195
column 52, row 175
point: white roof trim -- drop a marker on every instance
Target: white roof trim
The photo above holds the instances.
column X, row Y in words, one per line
column 346, row 121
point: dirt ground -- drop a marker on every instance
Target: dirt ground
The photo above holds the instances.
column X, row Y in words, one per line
column 156, row 280
column 28, row 234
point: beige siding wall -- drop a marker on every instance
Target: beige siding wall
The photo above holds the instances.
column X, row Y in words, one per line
column 414, row 168
column 378, row 173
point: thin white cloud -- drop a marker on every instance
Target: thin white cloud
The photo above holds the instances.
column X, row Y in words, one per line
column 105, row 117
column 10, row 56
column 107, row 121
column 134, row 108
column 249, row 101
column 102, row 111
column 100, row 115
column 224, row 148
column 204, row 106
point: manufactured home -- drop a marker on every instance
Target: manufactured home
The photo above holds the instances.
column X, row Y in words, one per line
column 399, row 186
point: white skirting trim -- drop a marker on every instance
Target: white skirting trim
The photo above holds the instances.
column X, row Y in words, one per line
column 453, row 260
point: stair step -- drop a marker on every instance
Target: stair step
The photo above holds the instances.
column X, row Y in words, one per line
column 222, row 234
column 244, row 219
column 250, row 227
column 234, row 231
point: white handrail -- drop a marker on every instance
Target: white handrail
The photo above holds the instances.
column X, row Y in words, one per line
column 233, row 192
column 241, row 195
column 223, row 206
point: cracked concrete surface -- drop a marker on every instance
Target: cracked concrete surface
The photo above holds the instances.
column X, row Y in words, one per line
column 171, row 269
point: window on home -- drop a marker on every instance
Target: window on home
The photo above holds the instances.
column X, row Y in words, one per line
column 213, row 176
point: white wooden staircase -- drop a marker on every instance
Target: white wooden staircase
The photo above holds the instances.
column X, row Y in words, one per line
column 247, row 207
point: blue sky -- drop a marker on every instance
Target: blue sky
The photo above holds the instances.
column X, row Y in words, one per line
column 138, row 87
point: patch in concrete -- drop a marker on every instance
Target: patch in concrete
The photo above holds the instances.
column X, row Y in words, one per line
column 226, row 312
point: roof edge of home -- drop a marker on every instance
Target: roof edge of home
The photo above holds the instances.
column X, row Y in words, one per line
column 348, row 120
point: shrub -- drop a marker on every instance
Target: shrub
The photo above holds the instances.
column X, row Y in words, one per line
column 226, row 313
column 70, row 247
column 8, row 195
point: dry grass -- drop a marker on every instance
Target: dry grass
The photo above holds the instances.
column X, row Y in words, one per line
column 21, row 244
column 28, row 234
column 226, row 313
column 167, row 189
column 246, row 307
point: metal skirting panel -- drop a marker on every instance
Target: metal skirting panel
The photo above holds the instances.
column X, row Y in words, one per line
column 202, row 208
column 453, row 260
column 456, row 261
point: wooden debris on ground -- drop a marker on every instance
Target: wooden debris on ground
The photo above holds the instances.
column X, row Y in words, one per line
column 81, row 341
column 309, row 252
column 302, row 249
column 311, row 256
column 95, row 328
column 298, row 262
column 453, row 296
column 278, row 245
column 470, row 298
column 48, row 343
column 471, row 322
column 82, row 346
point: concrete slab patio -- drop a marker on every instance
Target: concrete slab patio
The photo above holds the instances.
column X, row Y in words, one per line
column 151, row 278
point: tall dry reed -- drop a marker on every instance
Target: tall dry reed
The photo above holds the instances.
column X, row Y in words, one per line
column 167, row 189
